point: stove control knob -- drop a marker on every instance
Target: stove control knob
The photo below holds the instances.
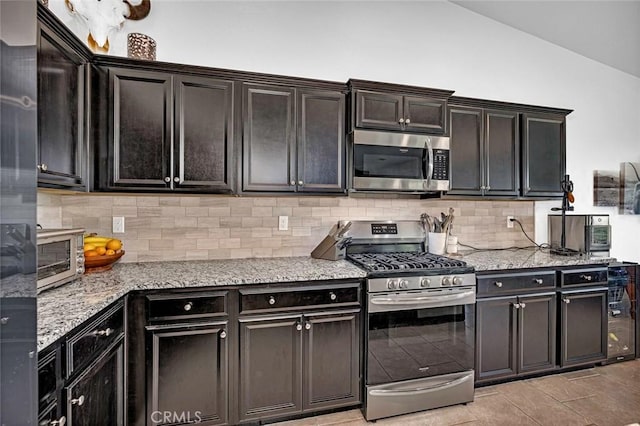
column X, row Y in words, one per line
column 392, row 284
column 425, row 282
column 446, row 282
column 458, row 280
column 403, row 284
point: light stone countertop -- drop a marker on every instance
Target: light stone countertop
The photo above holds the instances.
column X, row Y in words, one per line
column 490, row 260
column 63, row 308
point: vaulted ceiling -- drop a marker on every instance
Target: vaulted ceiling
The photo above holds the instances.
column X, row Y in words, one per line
column 607, row 31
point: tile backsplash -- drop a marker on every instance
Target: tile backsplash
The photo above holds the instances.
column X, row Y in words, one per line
column 200, row 227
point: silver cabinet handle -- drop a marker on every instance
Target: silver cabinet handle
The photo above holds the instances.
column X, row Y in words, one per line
column 332, row 296
column 272, row 300
column 586, row 277
column 523, row 305
column 223, row 334
column 483, row 187
column 60, row 422
column 307, row 326
column 498, row 284
column 401, row 121
column 407, row 121
column 488, row 187
column 176, row 179
column 42, row 167
column 293, row 183
column 105, row 332
column 79, row 401
column 4, row 320
column 167, row 179
column 188, row 306
column 567, row 301
column 300, row 183
column 516, row 305
column 538, row 281
column 298, row 326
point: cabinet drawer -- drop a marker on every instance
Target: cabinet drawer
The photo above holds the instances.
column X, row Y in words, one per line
column 289, row 299
column 187, row 306
column 521, row 282
column 583, row 277
column 83, row 346
column 48, row 371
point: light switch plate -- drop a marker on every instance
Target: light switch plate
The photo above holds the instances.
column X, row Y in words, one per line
column 283, row 223
column 118, row 225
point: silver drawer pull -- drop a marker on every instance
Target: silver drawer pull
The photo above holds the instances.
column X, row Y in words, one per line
column 4, row 320
column 223, row 334
column 106, row 332
column 188, row 306
column 586, row 277
column 61, row 422
column 567, row 301
column 307, row 326
column 523, row 305
column 332, row 296
column 426, row 389
column 298, row 326
column 538, row 281
column 516, row 305
column 498, row 284
column 79, row 401
column 272, row 300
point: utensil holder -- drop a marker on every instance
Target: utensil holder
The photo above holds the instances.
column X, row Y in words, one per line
column 436, row 242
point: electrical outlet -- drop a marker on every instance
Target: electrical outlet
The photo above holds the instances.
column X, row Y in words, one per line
column 118, row 225
column 283, row 223
column 510, row 220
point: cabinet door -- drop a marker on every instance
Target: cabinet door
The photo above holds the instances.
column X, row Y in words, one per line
column 502, row 149
column 268, row 140
column 141, row 130
column 321, row 141
column 537, row 333
column 496, row 338
column 467, row 162
column 331, row 360
column 61, row 147
column 203, row 133
column 188, row 375
column 97, row 394
column 270, row 367
column 583, row 327
column 424, row 115
column 379, row 110
column 543, row 155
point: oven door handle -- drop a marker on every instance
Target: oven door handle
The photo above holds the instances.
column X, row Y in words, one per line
column 420, row 299
column 417, row 391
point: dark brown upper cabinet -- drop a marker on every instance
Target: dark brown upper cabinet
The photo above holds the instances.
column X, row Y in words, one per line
column 484, row 151
column 62, row 148
column 293, row 139
column 170, row 132
column 543, row 154
column 400, row 108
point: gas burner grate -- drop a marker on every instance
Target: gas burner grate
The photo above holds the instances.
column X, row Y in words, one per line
column 404, row 261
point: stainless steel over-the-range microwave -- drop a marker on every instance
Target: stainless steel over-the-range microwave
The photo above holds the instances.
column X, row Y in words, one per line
column 398, row 162
column 588, row 234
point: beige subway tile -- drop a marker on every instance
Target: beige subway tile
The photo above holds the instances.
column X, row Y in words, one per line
column 186, row 222
column 261, row 232
column 148, row 256
column 172, row 211
column 240, row 233
column 357, row 213
column 84, row 211
column 123, row 200
column 148, row 233
column 219, row 254
column 482, row 212
column 264, row 202
column 169, row 201
column 270, row 222
column 163, row 244
column 214, row 202
column 241, row 211
column 88, row 223
column 67, row 222
column 173, row 255
column 241, row 202
column 197, row 211
column 250, row 242
column 148, row 201
column 262, row 211
column 48, row 199
column 208, row 222
column 228, row 243
column 294, row 221
column 300, row 251
column 137, row 222
column 49, row 216
column 374, row 212
column 129, row 257
column 282, row 252
column 197, row 254
column 282, row 211
column 285, row 233
column 219, row 232
column 347, row 202
column 321, row 211
column 287, row 202
column 328, row 202
column 311, row 221
column 302, row 231
column 162, row 222
column 230, row 222
column 251, row 222
column 261, row 252
column 173, row 233
column 302, row 211
column 273, row 242
column 292, row 241
column 239, row 253
column 150, row 211
column 309, row 202
column 207, row 243
column 190, row 201
column 136, row 245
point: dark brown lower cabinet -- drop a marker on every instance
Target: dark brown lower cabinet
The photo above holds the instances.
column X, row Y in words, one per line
column 298, row 363
column 96, row 395
column 583, row 326
column 188, row 374
column 515, row 335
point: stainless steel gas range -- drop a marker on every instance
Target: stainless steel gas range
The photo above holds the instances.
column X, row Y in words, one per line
column 420, row 321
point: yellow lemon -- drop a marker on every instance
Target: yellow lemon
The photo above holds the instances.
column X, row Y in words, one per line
column 114, row 244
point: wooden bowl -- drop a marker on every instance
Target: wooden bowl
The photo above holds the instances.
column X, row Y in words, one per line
column 101, row 263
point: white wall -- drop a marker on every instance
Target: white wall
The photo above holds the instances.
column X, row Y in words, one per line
column 434, row 44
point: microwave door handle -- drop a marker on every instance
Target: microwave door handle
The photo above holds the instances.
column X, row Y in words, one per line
column 429, row 162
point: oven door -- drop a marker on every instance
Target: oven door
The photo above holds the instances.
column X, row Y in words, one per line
column 414, row 335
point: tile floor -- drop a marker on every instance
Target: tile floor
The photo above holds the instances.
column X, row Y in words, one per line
column 600, row 396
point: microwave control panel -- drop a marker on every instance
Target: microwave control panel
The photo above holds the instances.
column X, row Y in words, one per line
column 440, row 164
